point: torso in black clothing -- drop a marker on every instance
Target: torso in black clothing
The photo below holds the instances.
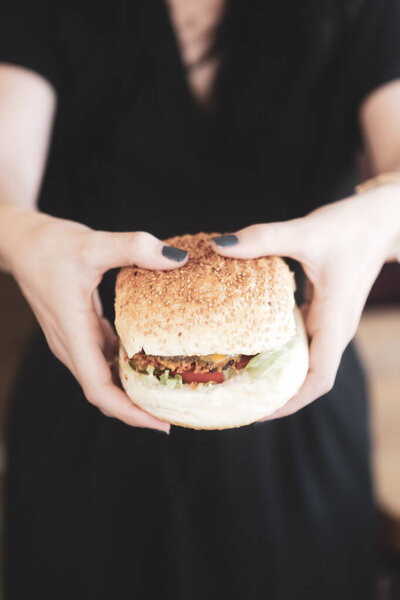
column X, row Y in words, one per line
column 281, row 510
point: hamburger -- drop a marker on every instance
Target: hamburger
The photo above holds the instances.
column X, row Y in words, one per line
column 215, row 344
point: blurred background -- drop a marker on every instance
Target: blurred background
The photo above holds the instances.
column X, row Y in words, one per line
column 378, row 340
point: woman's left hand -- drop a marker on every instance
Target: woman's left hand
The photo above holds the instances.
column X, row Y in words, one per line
column 342, row 247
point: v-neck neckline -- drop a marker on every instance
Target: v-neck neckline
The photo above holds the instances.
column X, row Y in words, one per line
column 170, row 36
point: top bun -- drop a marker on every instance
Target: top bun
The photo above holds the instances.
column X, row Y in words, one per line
column 211, row 305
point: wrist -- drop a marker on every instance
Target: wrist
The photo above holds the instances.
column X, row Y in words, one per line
column 14, row 223
column 391, row 208
column 382, row 205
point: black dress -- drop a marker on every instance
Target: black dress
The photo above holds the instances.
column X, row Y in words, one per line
column 281, row 510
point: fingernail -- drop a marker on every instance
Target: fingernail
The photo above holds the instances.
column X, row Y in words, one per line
column 223, row 241
column 174, row 253
column 164, row 431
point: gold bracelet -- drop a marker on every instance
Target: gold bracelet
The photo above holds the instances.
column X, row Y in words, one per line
column 380, row 179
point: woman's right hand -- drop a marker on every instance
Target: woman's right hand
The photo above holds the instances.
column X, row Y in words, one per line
column 58, row 265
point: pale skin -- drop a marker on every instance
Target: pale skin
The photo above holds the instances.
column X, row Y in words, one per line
column 59, row 264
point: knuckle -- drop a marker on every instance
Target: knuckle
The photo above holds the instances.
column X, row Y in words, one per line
column 90, row 395
column 326, row 384
column 259, row 228
column 252, row 232
column 106, row 413
column 54, row 350
column 141, row 238
column 50, row 343
column 53, row 347
column 348, row 336
column 260, row 231
column 352, row 328
column 255, row 236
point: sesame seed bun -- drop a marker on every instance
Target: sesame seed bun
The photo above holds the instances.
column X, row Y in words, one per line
column 210, row 305
column 238, row 401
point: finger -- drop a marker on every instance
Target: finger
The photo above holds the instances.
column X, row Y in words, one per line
column 111, row 250
column 105, row 413
column 95, row 377
column 98, row 307
column 113, row 402
column 286, row 238
column 111, row 341
column 307, row 300
column 308, row 292
column 325, row 355
column 328, row 341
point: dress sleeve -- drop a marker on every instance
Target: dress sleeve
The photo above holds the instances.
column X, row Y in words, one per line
column 29, row 37
column 377, row 44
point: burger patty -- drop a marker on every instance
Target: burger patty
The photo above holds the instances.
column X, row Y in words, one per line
column 180, row 364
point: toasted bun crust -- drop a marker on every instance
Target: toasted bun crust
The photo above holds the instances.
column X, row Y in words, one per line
column 210, row 305
column 236, row 402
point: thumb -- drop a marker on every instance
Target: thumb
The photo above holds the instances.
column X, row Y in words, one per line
column 111, row 250
column 285, row 238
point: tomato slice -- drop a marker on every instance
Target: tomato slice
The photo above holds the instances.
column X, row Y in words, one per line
column 192, row 377
column 218, row 377
column 242, row 362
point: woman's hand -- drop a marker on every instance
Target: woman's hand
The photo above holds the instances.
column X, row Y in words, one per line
column 58, row 265
column 342, row 247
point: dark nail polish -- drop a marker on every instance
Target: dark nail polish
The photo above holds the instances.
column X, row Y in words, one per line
column 223, row 241
column 174, row 253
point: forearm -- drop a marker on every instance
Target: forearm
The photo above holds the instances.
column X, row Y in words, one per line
column 380, row 126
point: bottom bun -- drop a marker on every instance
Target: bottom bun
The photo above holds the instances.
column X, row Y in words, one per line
column 238, row 401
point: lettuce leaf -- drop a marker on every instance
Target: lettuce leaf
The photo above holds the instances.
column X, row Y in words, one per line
column 165, row 378
column 258, row 366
